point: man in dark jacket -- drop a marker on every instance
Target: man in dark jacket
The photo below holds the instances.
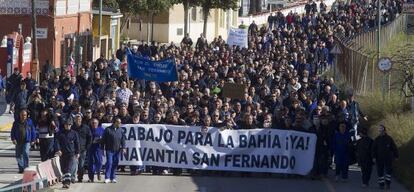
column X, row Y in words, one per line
column 85, row 139
column 20, row 100
column 364, row 148
column 23, row 134
column 384, row 152
column 113, row 142
column 67, row 146
column 13, row 81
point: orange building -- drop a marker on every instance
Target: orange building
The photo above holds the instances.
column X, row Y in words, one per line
column 64, row 28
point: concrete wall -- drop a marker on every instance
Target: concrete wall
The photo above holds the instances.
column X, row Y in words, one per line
column 262, row 19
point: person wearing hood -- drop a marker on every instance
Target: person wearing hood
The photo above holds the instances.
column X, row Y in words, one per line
column 68, row 148
column 384, row 152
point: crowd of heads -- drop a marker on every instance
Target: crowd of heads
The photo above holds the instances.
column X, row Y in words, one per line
column 282, row 69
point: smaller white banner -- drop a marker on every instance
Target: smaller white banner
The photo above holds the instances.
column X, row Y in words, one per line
column 237, row 37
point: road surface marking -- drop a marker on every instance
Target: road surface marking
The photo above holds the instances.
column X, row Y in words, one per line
column 329, row 185
column 7, row 148
column 6, row 126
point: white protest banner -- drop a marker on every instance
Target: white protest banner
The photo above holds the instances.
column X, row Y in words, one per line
column 237, row 37
column 257, row 150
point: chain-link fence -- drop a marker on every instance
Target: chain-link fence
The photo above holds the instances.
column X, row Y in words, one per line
column 358, row 62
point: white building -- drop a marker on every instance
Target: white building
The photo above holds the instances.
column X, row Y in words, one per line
column 169, row 26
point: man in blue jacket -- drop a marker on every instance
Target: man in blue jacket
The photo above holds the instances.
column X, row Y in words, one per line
column 23, row 134
column 113, row 142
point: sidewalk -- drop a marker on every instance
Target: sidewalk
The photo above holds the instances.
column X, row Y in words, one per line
column 8, row 167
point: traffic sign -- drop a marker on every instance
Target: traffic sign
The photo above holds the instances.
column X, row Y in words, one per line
column 384, row 64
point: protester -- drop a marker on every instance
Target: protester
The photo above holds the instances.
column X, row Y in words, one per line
column 384, row 152
column 85, row 140
column 283, row 69
column 95, row 152
column 13, row 81
column 23, row 135
column 46, row 129
column 113, row 143
column 68, row 148
column 364, row 155
column 342, row 141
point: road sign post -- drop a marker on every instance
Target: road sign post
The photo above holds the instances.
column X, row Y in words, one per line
column 336, row 51
column 385, row 66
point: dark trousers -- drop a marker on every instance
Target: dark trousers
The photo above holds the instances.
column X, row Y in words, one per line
column 342, row 169
column 66, row 163
column 321, row 163
column 366, row 170
column 384, row 170
column 46, row 148
column 94, row 162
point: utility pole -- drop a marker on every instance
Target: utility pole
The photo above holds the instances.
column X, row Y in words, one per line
column 378, row 45
column 100, row 26
column 35, row 62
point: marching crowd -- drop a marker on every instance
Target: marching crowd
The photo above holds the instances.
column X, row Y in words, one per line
column 282, row 69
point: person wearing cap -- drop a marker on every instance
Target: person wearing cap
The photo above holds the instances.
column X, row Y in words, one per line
column 364, row 156
column 384, row 152
column 68, row 148
column 85, row 140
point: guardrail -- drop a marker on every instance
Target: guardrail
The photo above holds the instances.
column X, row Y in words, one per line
column 37, row 177
column 27, row 187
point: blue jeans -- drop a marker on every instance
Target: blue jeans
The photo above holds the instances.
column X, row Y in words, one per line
column 22, row 155
column 77, row 166
column 112, row 160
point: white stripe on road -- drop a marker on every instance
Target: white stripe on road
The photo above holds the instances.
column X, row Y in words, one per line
column 329, row 185
column 7, row 148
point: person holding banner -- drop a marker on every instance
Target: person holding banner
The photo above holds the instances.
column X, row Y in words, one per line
column 113, row 144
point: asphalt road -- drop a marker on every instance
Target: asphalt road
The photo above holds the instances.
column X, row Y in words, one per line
column 257, row 182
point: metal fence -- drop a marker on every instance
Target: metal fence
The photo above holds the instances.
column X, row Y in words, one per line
column 358, row 62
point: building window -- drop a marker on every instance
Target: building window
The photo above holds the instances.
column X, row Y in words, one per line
column 194, row 14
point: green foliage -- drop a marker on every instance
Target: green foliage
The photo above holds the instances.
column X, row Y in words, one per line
column 394, row 114
column 155, row 6
column 207, row 5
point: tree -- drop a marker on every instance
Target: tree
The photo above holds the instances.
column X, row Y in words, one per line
column 152, row 8
column 207, row 5
column 186, row 5
column 131, row 8
column 127, row 7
